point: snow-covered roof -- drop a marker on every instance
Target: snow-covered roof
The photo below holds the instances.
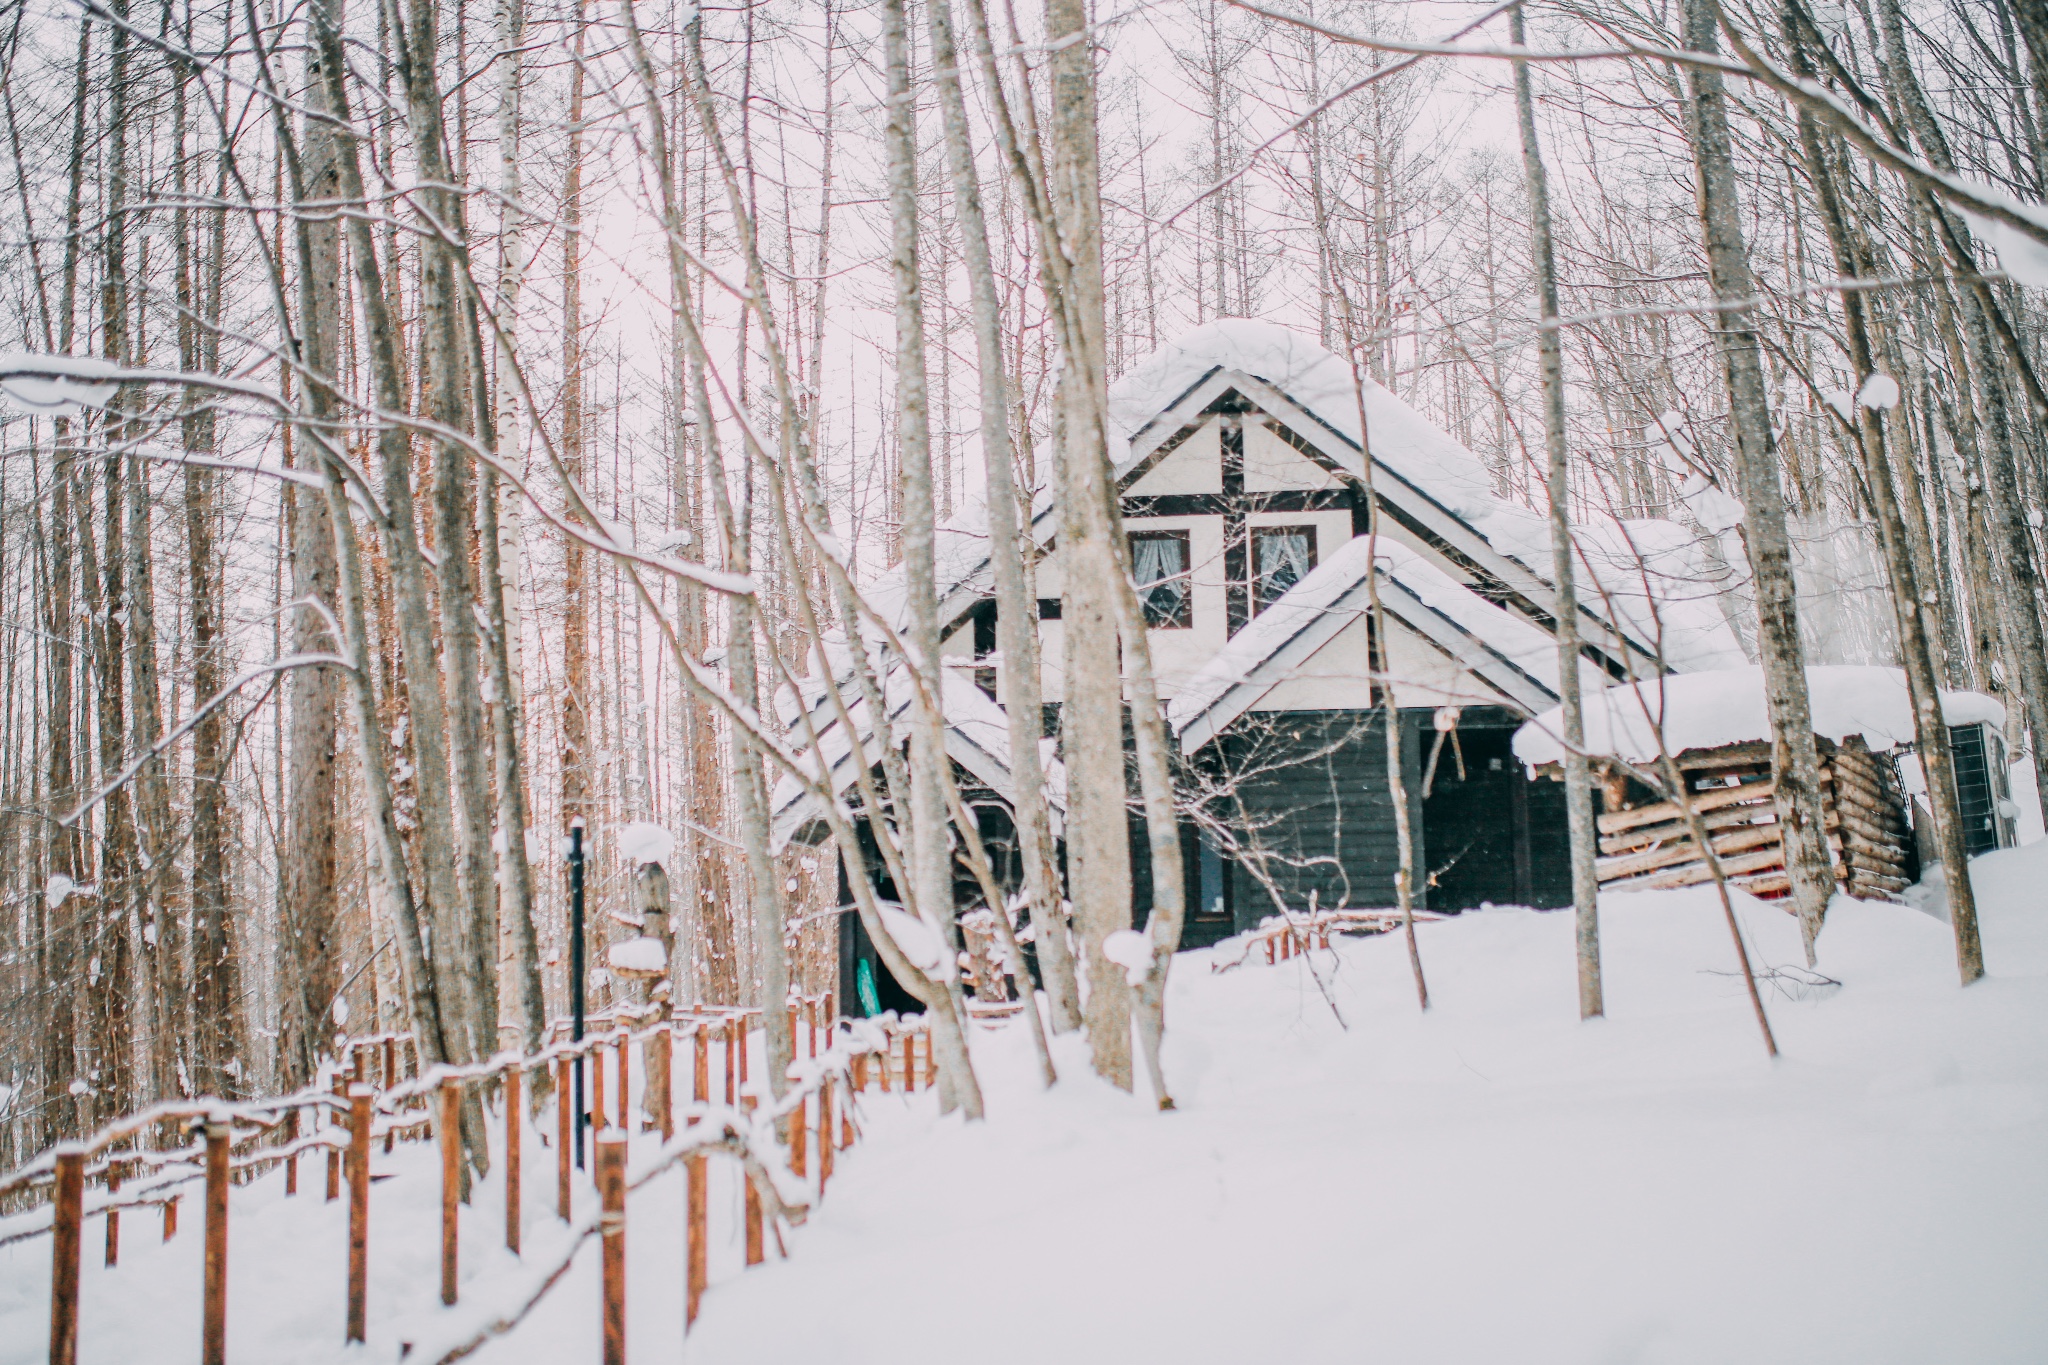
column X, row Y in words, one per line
column 1515, row 658
column 977, row 738
column 1726, row 706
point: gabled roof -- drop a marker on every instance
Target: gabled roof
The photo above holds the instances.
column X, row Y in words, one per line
column 977, row 738
column 1513, row 657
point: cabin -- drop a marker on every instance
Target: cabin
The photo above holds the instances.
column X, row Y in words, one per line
column 1297, row 551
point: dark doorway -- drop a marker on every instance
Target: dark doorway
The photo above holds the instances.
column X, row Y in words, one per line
column 1493, row 836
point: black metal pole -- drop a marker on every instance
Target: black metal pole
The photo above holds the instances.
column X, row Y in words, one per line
column 576, row 968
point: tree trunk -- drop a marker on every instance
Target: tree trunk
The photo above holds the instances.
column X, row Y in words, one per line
column 309, row 956
column 931, row 869
column 1578, row 781
column 1795, row 756
column 1011, row 548
column 1098, row 838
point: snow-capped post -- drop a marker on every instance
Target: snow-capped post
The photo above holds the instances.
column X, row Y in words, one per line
column 359, row 1211
column 69, row 1215
column 213, row 1312
column 565, row 1120
column 449, row 1130
column 611, row 1226
column 514, row 1074
column 576, row 979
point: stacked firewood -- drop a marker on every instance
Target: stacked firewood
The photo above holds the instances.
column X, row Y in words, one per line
column 1731, row 793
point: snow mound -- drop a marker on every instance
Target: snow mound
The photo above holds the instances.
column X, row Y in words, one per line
column 1726, row 706
column 642, row 955
column 643, row 842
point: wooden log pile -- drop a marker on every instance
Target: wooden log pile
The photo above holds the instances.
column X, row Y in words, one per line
column 1650, row 846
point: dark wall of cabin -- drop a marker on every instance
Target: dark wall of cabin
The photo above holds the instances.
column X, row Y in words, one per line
column 1316, row 816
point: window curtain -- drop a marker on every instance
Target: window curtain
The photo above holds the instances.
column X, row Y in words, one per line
column 1158, row 565
column 1283, row 562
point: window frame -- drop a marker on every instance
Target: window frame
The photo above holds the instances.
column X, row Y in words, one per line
column 1184, row 619
column 1258, row 601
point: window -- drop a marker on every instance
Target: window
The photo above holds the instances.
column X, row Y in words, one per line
column 1281, row 557
column 1159, row 567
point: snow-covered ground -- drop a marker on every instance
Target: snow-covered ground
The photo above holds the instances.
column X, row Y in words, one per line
column 1490, row 1182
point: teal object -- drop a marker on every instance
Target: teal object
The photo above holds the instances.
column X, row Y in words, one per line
column 864, row 987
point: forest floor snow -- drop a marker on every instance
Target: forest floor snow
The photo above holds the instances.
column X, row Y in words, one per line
column 1490, row 1181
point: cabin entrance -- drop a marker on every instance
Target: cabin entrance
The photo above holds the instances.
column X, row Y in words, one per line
column 1491, row 835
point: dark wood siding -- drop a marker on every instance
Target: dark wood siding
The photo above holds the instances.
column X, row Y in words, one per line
column 1494, row 836
column 1312, row 813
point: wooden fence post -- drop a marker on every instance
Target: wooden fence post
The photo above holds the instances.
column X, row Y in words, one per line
column 745, row 1029
column 755, row 1249
column 730, row 1028
column 661, row 1077
column 596, row 1054
column 565, row 1117
column 811, row 1011
column 611, row 1227
column 697, row 1241
column 340, row 1086
column 113, row 1215
column 909, row 1062
column 170, row 1218
column 213, row 1332
column 799, row 1130
column 65, row 1242
column 390, row 1061
column 514, row 1074
column 291, row 1163
column 824, row 1133
column 449, row 1130
column 625, row 1089
column 359, row 1211
column 700, row 1076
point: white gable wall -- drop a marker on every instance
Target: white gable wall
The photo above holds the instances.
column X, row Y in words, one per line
column 1338, row 676
column 1272, row 464
column 1194, row 466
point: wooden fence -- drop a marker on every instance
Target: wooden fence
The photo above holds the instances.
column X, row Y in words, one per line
column 377, row 1093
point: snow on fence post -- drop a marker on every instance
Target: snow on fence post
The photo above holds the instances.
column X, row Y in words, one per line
column 359, row 1097
column 449, row 1130
column 565, row 1118
column 213, row 1332
column 846, row 1110
column 513, row 1075
column 611, row 1226
column 65, row 1242
column 697, row 1237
